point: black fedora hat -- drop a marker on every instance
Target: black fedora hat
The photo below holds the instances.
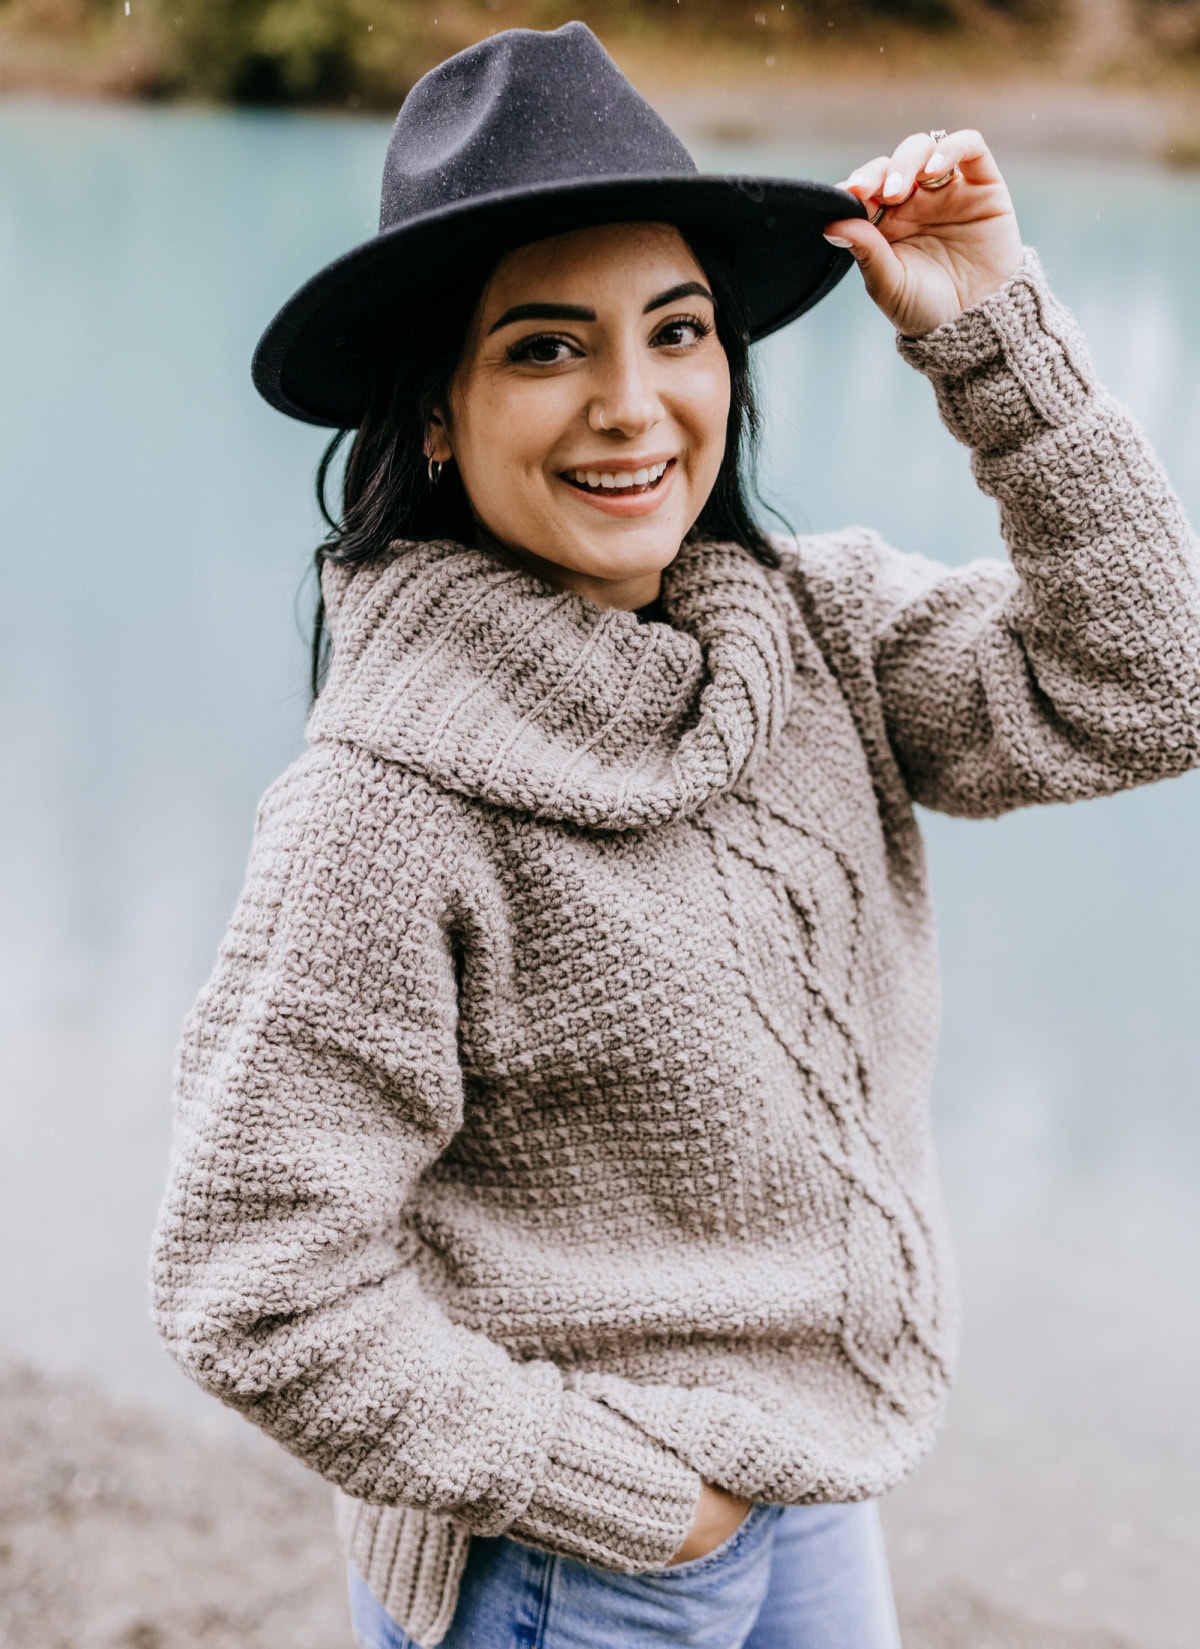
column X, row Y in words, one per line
column 525, row 135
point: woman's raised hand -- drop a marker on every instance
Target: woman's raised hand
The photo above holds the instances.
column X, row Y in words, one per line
column 934, row 252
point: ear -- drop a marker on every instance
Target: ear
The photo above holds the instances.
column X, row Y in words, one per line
column 437, row 442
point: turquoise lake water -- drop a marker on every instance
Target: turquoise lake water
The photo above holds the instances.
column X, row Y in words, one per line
column 157, row 523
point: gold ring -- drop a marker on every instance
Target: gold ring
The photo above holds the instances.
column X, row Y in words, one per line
column 940, row 182
column 944, row 178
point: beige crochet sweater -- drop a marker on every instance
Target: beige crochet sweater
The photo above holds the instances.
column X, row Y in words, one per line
column 552, row 1130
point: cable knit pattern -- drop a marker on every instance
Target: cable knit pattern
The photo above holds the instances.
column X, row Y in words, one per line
column 552, row 1130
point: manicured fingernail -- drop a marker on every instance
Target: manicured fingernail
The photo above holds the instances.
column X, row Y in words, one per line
column 937, row 163
column 894, row 183
column 836, row 240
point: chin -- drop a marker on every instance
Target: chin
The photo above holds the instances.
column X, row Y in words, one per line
column 626, row 555
column 625, row 563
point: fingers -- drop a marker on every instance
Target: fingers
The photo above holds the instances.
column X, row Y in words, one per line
column 881, row 269
column 866, row 181
column 966, row 150
column 907, row 161
column 891, row 179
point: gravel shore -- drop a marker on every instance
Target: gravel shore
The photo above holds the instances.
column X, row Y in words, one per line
column 119, row 1531
column 1019, row 115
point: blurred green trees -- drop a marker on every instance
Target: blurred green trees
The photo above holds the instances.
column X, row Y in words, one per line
column 292, row 50
column 373, row 50
column 363, row 53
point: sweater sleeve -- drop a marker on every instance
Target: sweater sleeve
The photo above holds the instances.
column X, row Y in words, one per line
column 317, row 1077
column 1072, row 670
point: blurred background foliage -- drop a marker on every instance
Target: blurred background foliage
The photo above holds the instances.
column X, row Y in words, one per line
column 367, row 53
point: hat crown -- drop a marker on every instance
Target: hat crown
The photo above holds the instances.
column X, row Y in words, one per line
column 524, row 108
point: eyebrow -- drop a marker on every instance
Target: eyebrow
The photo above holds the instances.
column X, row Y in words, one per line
column 575, row 312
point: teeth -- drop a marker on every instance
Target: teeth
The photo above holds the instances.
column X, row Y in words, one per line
column 615, row 481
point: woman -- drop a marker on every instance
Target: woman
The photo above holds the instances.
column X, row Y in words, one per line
column 552, row 1167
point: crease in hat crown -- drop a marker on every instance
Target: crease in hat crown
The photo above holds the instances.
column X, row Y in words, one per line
column 523, row 136
column 522, row 109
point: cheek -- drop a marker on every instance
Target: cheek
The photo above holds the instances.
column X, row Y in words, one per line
column 710, row 398
column 510, row 431
column 517, row 425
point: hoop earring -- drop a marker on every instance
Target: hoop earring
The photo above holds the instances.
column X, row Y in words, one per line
column 429, row 470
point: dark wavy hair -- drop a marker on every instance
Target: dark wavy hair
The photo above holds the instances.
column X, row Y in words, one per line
column 386, row 493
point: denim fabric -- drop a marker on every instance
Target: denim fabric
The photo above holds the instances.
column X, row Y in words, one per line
column 788, row 1577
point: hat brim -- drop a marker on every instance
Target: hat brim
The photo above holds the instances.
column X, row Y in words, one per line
column 314, row 360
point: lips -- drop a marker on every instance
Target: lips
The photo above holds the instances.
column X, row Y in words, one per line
column 618, row 483
column 625, row 502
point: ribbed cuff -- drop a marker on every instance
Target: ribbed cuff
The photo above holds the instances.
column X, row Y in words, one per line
column 1008, row 368
column 611, row 1495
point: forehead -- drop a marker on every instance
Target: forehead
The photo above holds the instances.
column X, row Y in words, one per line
column 603, row 253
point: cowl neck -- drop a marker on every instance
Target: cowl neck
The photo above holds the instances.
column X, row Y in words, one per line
column 491, row 682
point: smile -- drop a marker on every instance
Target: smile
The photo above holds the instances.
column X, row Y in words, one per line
column 624, row 481
column 622, row 493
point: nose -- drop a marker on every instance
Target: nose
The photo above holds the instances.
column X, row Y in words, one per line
column 623, row 398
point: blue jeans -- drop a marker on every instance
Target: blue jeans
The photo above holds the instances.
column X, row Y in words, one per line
column 788, row 1577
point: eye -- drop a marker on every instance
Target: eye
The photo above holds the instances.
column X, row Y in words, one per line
column 533, row 349
column 700, row 327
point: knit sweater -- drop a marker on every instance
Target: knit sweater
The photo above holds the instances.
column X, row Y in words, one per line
column 552, row 1131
